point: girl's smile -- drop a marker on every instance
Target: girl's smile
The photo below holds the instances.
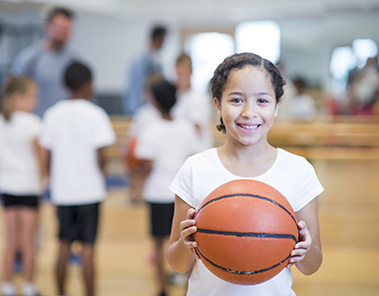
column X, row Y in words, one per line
column 248, row 127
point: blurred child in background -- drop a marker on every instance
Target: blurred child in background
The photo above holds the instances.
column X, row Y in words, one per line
column 163, row 145
column 303, row 106
column 193, row 105
column 135, row 169
column 21, row 175
column 75, row 133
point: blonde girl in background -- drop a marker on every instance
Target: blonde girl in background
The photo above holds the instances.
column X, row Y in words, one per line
column 21, row 175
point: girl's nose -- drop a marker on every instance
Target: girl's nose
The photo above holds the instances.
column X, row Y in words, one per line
column 249, row 110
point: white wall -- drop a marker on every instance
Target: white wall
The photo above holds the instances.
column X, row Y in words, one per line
column 109, row 42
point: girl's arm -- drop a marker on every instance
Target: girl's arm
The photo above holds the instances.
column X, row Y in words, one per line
column 43, row 158
column 307, row 254
column 181, row 253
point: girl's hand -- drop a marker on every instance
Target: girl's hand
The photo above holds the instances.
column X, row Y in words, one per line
column 303, row 246
column 187, row 229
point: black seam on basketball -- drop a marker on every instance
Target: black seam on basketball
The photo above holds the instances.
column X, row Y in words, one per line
column 248, row 195
column 248, row 234
column 242, row 272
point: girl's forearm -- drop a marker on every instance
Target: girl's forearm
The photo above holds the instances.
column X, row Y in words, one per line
column 311, row 262
column 179, row 257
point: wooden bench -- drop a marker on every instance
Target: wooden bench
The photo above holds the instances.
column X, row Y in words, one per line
column 121, row 126
column 345, row 139
column 328, row 140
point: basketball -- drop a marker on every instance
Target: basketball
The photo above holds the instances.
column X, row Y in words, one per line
column 130, row 158
column 246, row 231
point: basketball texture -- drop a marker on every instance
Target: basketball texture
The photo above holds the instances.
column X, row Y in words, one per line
column 246, row 231
column 130, row 158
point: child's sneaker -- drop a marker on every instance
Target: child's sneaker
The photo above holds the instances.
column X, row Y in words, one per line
column 28, row 289
column 8, row 289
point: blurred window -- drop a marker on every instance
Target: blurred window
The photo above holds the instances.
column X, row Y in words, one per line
column 346, row 58
column 207, row 51
column 364, row 49
column 262, row 38
column 342, row 62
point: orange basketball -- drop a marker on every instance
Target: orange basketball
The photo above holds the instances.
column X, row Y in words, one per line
column 130, row 158
column 246, row 231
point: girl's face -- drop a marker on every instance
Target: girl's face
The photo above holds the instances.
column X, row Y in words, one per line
column 248, row 105
column 28, row 101
column 183, row 76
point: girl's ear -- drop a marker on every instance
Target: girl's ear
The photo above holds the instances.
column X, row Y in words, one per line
column 218, row 106
column 277, row 107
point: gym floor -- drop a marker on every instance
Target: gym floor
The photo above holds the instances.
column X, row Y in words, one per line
column 349, row 219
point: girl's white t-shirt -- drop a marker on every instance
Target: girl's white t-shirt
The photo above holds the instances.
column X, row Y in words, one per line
column 19, row 169
column 290, row 174
column 168, row 144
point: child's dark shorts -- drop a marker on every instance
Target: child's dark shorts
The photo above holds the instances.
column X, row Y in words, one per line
column 28, row 201
column 161, row 215
column 79, row 223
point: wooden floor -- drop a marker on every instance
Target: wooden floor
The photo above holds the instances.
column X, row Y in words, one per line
column 349, row 217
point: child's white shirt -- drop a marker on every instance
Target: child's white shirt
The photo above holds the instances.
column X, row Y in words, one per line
column 19, row 168
column 290, row 174
column 167, row 144
column 73, row 130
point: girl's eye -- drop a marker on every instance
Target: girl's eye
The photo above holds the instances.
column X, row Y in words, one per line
column 236, row 100
column 262, row 101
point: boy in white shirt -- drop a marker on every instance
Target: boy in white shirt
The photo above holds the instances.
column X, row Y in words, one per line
column 75, row 133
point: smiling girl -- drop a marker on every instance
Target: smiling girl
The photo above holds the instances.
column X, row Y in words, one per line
column 246, row 92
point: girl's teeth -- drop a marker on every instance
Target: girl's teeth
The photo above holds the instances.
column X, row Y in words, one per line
column 249, row 126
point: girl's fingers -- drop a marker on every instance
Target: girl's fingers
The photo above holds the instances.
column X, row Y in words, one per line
column 186, row 224
column 301, row 225
column 187, row 232
column 195, row 253
column 191, row 213
column 298, row 253
column 190, row 243
column 302, row 247
column 187, row 228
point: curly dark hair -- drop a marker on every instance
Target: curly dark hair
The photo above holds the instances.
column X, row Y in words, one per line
column 238, row 61
column 165, row 95
column 76, row 75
